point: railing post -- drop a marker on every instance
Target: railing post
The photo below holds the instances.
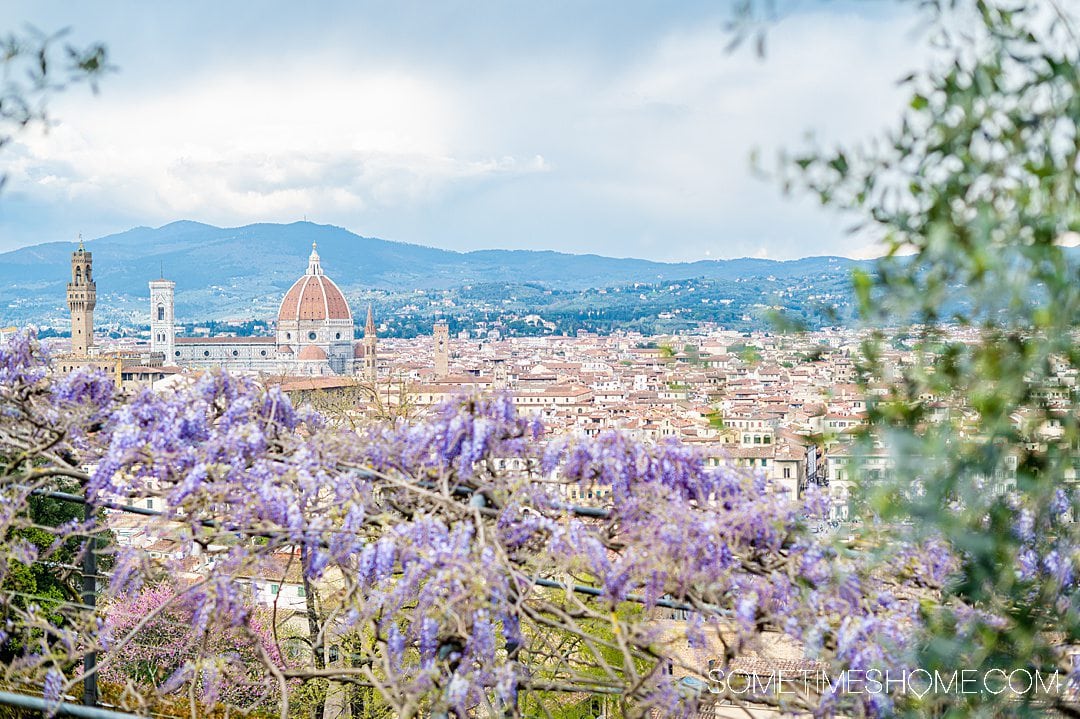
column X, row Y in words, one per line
column 89, row 597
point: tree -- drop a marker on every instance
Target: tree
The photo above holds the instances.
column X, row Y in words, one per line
column 44, row 571
column 360, row 401
column 164, row 654
column 976, row 195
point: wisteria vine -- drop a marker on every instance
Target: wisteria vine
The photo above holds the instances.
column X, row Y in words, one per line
column 444, row 571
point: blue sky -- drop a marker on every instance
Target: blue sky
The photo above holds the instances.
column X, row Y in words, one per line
column 619, row 128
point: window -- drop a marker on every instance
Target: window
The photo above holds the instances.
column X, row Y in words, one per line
column 236, row 353
column 161, row 312
column 311, row 335
column 263, row 353
column 149, row 504
column 206, row 353
column 300, row 592
column 787, row 472
column 177, row 353
column 274, row 589
column 764, row 462
column 768, row 439
column 337, row 336
column 288, row 335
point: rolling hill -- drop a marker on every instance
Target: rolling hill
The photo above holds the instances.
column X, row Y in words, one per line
column 244, row 270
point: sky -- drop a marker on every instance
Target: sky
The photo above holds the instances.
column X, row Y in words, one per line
column 619, row 128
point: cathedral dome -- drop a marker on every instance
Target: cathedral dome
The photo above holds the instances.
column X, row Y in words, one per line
column 314, row 297
column 311, row 352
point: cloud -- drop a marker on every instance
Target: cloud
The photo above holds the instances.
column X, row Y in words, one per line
column 636, row 148
column 250, row 147
column 284, row 184
column 691, row 114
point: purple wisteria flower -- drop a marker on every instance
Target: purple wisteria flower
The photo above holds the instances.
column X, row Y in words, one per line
column 53, row 691
column 446, row 555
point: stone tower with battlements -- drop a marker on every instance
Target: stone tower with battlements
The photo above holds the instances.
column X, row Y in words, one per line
column 498, row 373
column 442, row 349
column 162, row 319
column 81, row 299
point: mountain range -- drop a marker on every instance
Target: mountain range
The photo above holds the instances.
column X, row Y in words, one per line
column 241, row 271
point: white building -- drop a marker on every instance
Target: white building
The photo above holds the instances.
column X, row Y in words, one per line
column 314, row 333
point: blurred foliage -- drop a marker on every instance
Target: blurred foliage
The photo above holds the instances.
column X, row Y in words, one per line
column 34, row 66
column 590, row 659
column 975, row 198
column 54, row 583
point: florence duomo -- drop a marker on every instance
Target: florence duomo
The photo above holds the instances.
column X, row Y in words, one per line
column 314, row 334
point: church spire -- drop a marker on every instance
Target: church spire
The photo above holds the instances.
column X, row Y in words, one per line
column 314, row 267
column 371, row 371
column 369, row 326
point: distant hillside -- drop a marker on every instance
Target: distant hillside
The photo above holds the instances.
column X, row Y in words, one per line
column 243, row 271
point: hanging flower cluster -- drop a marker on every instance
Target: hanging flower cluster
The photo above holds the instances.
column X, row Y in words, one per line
column 440, row 559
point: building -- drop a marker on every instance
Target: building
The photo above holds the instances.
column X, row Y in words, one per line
column 442, row 349
column 367, row 349
column 162, row 322
column 81, row 300
column 314, row 321
column 313, row 337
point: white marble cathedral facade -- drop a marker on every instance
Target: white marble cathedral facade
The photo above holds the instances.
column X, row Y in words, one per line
column 313, row 335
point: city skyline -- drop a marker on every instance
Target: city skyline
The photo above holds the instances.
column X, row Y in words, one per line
column 362, row 360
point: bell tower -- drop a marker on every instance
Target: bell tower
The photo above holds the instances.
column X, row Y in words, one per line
column 162, row 323
column 442, row 349
column 81, row 299
column 370, row 366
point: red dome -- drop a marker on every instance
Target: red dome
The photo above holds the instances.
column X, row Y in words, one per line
column 314, row 297
column 311, row 352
